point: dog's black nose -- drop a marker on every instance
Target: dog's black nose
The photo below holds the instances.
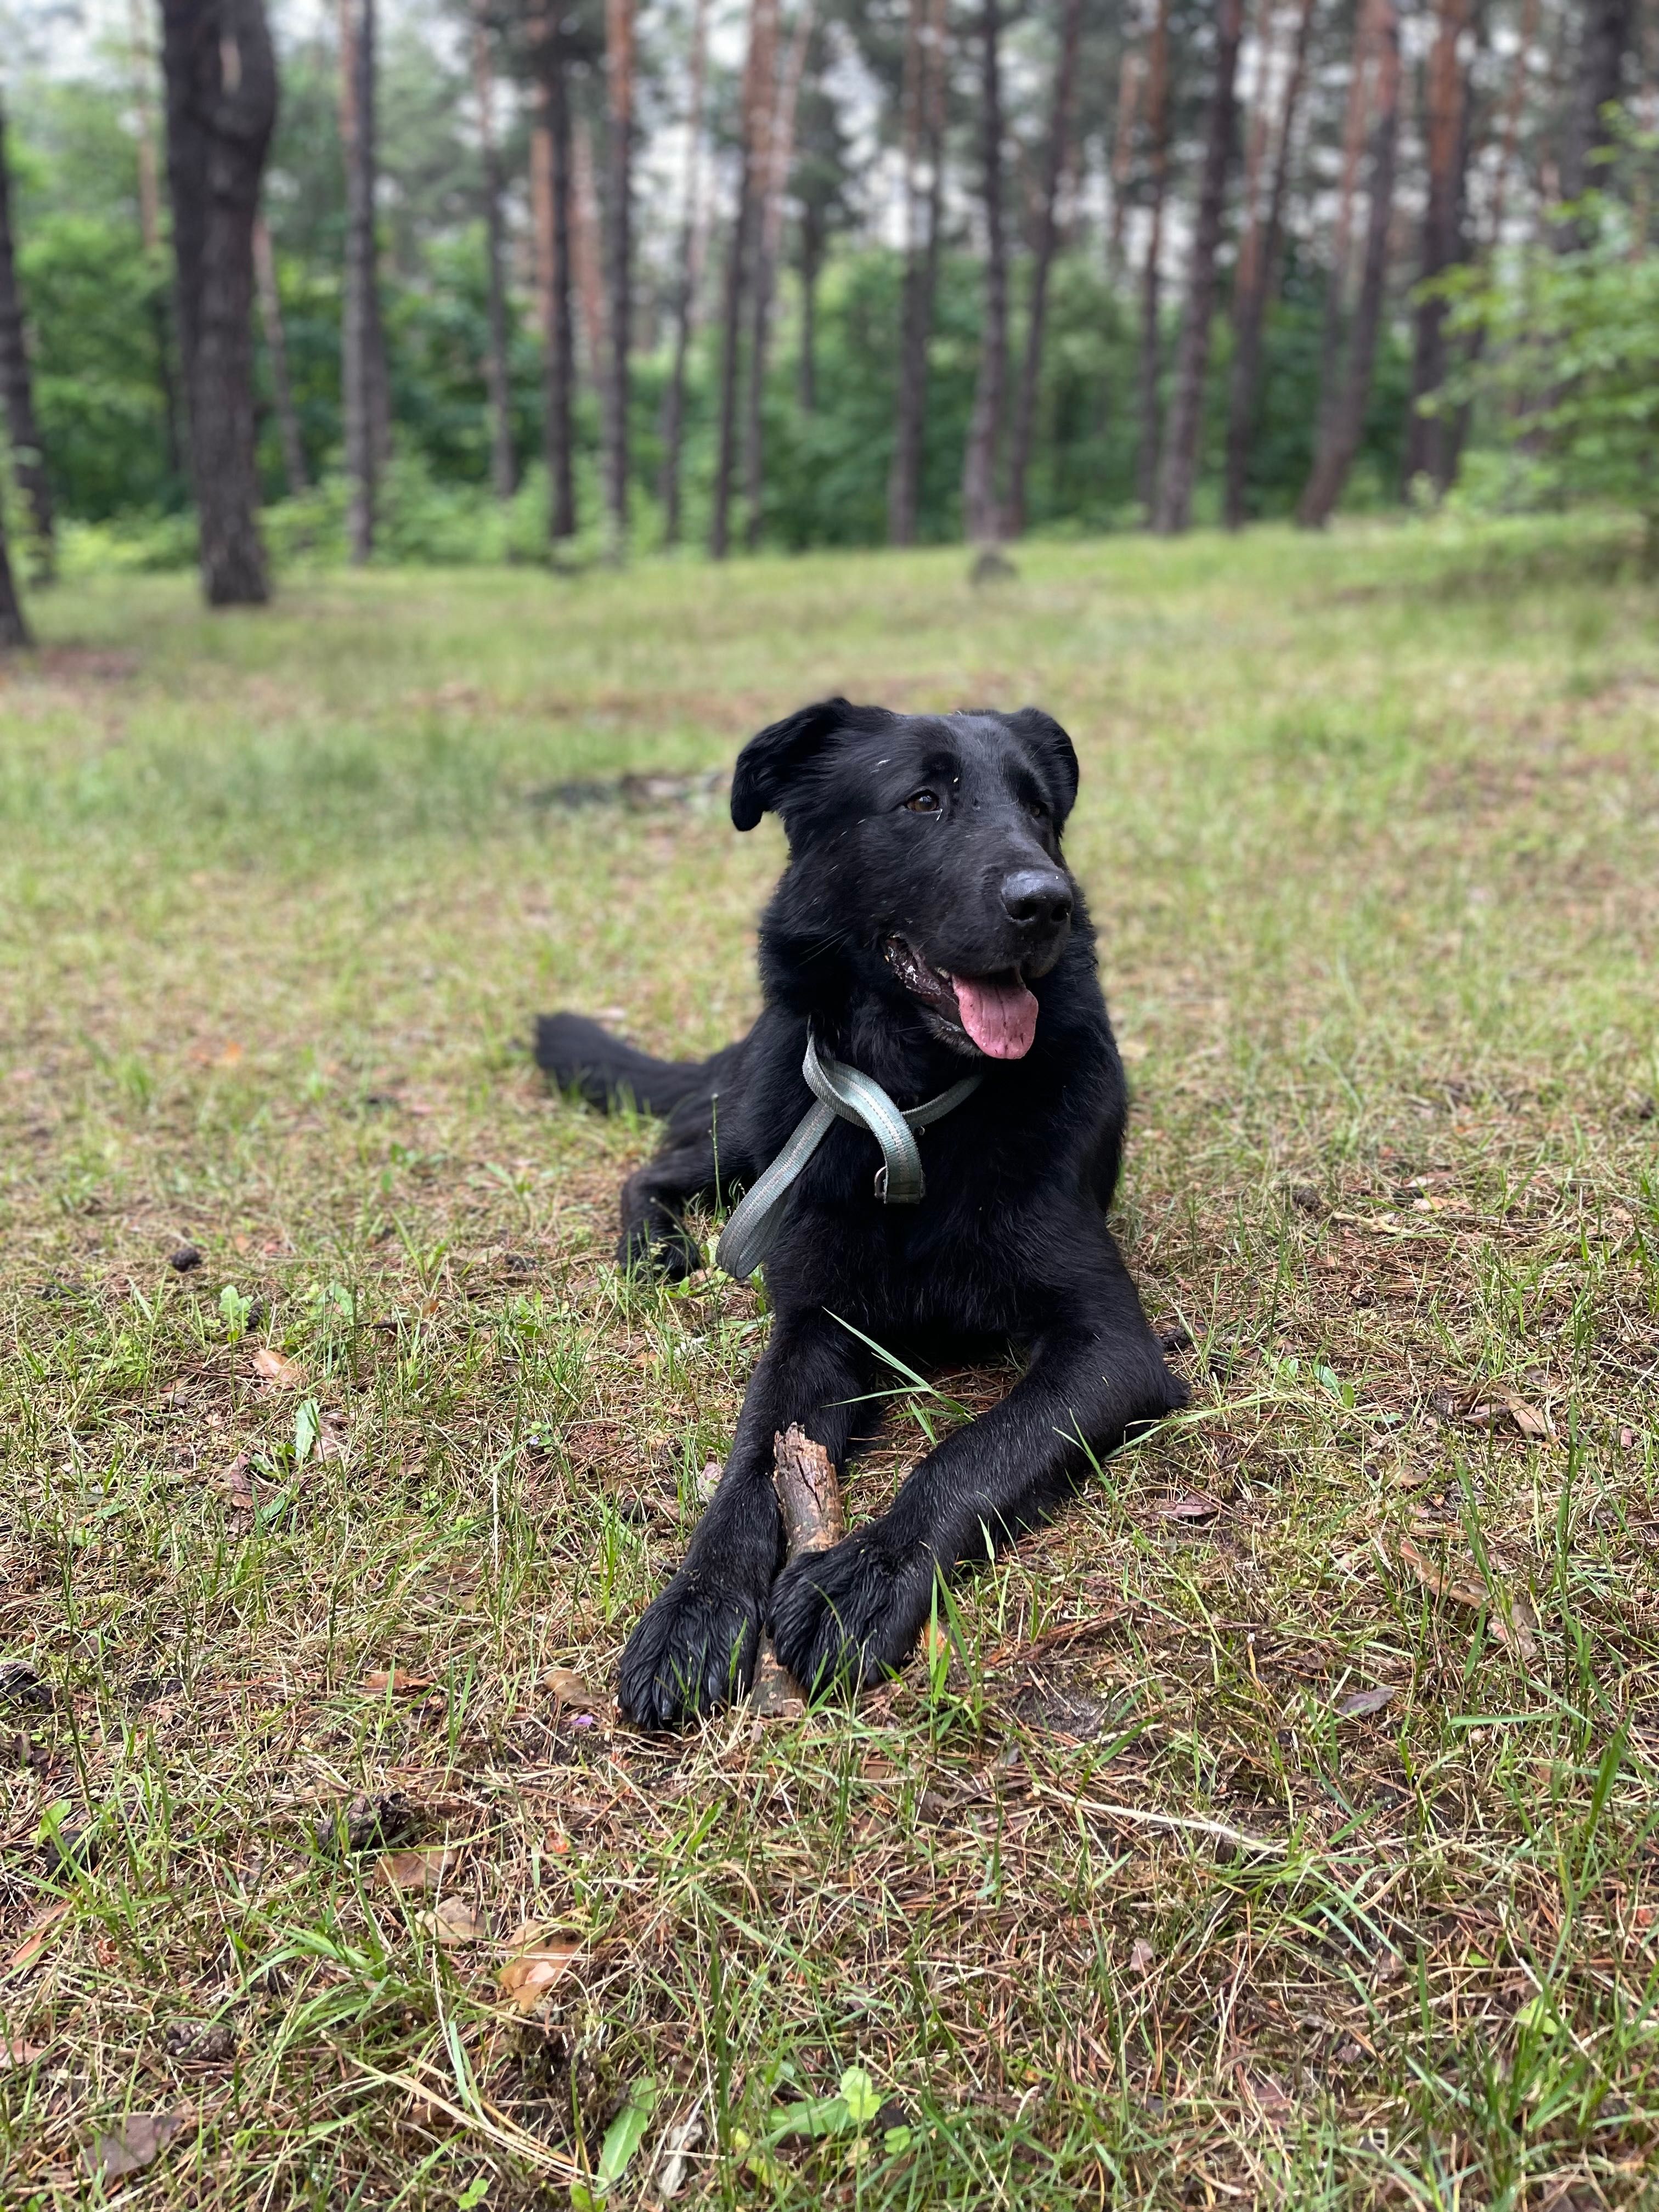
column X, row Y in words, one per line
column 1038, row 898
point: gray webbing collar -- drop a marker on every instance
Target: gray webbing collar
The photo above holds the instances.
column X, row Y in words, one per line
column 844, row 1092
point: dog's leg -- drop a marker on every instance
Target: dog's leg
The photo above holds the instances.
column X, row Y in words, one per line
column 654, row 1231
column 853, row 1613
column 697, row 1644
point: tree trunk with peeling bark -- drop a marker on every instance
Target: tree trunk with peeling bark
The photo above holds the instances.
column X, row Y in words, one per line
column 1345, row 421
column 1020, row 455
column 1180, row 471
column 504, row 468
column 28, row 461
column 1257, row 278
column 981, row 504
column 222, row 106
column 673, row 421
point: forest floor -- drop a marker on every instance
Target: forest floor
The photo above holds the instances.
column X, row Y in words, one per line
column 1280, row 1827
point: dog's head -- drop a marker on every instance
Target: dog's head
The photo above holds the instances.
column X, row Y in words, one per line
column 930, row 843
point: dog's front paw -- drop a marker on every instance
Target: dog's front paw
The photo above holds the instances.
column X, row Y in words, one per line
column 667, row 1255
column 850, row 1615
column 694, row 1648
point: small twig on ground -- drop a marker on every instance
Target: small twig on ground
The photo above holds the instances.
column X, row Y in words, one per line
column 813, row 1519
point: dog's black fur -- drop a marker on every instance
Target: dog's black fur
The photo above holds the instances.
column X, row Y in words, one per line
column 940, row 834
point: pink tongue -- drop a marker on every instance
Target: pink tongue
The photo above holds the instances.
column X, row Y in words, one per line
column 999, row 1016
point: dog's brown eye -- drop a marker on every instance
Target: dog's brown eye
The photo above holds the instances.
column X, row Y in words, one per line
column 1037, row 810
column 923, row 802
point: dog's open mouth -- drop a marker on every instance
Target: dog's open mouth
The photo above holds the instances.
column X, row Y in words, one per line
column 996, row 1011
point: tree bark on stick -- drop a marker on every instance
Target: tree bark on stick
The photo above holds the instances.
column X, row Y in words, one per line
column 551, row 199
column 619, row 27
column 1446, row 134
column 28, row 461
column 1179, row 471
column 362, row 379
column 1158, row 131
column 924, row 149
column 503, row 470
column 281, row 392
column 685, row 289
column 777, row 145
column 1059, row 128
column 810, row 1501
column 762, row 33
column 981, row 504
column 1257, row 279
column 1346, row 420
column 222, row 106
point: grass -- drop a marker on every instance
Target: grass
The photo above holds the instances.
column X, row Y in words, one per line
column 1280, row 1827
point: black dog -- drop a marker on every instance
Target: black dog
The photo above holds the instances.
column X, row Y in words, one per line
column 926, row 928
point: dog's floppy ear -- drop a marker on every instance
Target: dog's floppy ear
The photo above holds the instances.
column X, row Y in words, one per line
column 1051, row 748
column 771, row 760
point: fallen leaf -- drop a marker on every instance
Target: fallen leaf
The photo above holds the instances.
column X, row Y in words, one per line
column 16, row 2052
column 137, row 2142
column 1142, row 1957
column 709, row 1480
column 454, row 1922
column 1512, row 1621
column 680, row 2140
column 1528, row 1418
column 394, row 1680
column 236, row 1483
column 417, row 1870
column 271, row 1367
column 1359, row 1702
column 36, row 1939
column 935, row 1644
column 528, row 1978
column 567, row 1688
column 1627, row 1439
column 1196, row 1507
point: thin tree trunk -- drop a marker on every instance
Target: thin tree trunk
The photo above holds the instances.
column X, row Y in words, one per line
column 270, row 317
column 1428, row 437
column 503, row 472
column 222, row 107
column 1353, row 142
column 1060, row 126
column 149, row 228
column 13, row 629
column 762, row 33
column 923, row 132
column 1158, row 125
column 588, row 253
column 1256, row 280
column 1131, row 80
column 1347, row 420
column 981, row 505
column 1608, row 33
column 361, row 333
column 614, row 391
column 1514, row 100
column 777, row 137
column 1180, row 472
column 355, row 154
column 811, row 262
column 550, row 196
column 28, row 460
column 673, row 423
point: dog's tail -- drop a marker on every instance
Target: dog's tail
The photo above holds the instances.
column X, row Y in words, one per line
column 578, row 1053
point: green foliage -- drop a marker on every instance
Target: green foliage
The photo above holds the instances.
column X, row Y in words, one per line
column 1562, row 363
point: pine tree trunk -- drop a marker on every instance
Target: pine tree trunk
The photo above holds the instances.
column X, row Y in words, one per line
column 673, row 421
column 619, row 260
column 981, row 505
column 1180, row 471
column 1257, row 280
column 503, row 470
column 13, row 629
column 1353, row 143
column 28, row 460
column 281, row 392
column 1019, row 457
column 1429, row 437
column 763, row 31
column 1131, row 80
column 361, row 322
column 378, row 402
column 777, row 139
column 1346, row 420
column 1608, row 33
column 811, row 262
column 551, row 194
column 222, row 107
column 924, row 132
column 587, row 262
column 1157, row 127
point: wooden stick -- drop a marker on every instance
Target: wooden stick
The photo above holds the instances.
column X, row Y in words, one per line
column 809, row 1497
